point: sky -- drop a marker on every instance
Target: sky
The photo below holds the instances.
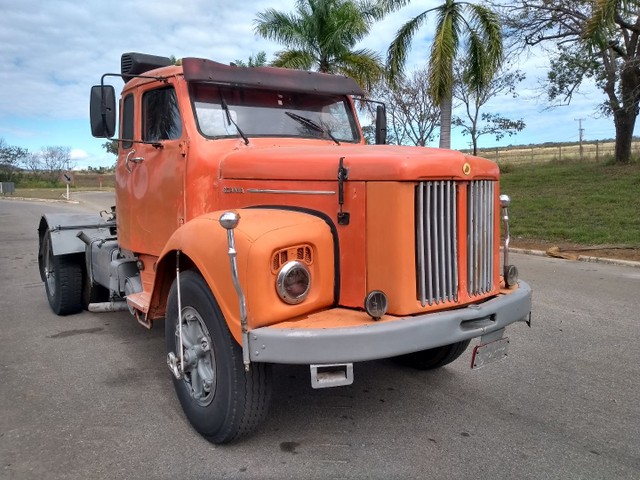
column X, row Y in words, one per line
column 53, row 51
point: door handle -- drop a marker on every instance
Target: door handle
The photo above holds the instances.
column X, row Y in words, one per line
column 134, row 160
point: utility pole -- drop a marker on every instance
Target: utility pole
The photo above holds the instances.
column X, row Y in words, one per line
column 581, row 133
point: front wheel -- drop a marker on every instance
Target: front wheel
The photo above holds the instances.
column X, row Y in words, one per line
column 221, row 400
column 62, row 280
column 434, row 357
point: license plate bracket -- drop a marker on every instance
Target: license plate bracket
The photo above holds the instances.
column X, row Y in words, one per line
column 490, row 352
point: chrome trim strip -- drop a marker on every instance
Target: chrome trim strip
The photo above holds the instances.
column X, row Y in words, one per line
column 293, row 192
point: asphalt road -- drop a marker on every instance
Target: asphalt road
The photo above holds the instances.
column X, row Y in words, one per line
column 89, row 395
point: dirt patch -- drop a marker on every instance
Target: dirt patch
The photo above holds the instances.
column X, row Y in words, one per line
column 572, row 251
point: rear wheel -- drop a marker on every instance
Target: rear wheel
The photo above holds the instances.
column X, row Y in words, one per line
column 63, row 280
column 434, row 357
column 222, row 401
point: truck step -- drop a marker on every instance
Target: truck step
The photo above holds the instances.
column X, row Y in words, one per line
column 331, row 375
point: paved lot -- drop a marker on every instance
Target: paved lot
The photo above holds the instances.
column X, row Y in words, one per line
column 89, row 396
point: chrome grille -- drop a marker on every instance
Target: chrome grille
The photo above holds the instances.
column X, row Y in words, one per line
column 436, row 252
column 480, row 237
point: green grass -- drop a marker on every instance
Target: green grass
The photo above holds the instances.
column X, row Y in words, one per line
column 583, row 203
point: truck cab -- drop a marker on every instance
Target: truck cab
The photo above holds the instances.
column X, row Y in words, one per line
column 254, row 219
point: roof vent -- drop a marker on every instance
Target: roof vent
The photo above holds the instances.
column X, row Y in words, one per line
column 139, row 63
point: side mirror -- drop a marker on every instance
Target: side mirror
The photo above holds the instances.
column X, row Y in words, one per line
column 102, row 111
column 381, row 125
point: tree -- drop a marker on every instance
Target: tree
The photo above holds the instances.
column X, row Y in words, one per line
column 33, row 163
column 476, row 124
column 111, row 146
column 476, row 28
column 411, row 115
column 260, row 60
column 55, row 160
column 10, row 159
column 588, row 40
column 322, row 35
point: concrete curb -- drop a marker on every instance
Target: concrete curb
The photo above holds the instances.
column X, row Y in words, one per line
column 524, row 251
column 43, row 200
column 581, row 258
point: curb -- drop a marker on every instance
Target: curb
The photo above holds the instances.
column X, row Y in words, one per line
column 524, row 251
column 581, row 258
column 43, row 200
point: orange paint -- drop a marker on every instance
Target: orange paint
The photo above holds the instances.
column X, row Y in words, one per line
column 164, row 203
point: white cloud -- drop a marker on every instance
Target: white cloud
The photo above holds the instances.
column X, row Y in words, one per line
column 78, row 154
column 53, row 51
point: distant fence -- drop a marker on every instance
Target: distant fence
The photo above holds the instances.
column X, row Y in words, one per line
column 590, row 152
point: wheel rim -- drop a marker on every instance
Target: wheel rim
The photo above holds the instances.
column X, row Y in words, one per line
column 199, row 360
column 49, row 271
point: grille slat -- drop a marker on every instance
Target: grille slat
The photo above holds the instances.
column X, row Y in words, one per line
column 436, row 242
column 480, row 227
column 437, row 233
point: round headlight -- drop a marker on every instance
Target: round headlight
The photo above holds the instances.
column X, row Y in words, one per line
column 293, row 282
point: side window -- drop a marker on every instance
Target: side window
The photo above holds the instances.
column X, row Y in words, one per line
column 127, row 122
column 160, row 115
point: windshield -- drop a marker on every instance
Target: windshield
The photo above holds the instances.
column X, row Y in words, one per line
column 269, row 113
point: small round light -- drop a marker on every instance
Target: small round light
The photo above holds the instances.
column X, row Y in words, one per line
column 376, row 304
column 510, row 275
column 229, row 220
column 293, row 282
column 505, row 200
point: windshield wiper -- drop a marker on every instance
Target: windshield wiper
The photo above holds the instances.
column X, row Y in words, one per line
column 307, row 122
column 230, row 121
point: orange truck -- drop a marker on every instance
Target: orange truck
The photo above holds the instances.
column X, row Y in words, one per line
column 254, row 219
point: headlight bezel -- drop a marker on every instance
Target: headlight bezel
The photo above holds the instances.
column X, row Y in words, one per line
column 286, row 279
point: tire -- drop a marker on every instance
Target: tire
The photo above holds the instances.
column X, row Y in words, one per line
column 63, row 281
column 235, row 402
column 434, row 357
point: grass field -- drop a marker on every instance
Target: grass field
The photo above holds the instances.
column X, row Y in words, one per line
column 582, row 203
column 591, row 152
column 585, row 203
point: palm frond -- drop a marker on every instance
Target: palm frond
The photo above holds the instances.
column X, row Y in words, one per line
column 443, row 52
column 364, row 66
column 377, row 9
column 297, row 59
column 401, row 44
column 484, row 53
column 487, row 24
column 281, row 27
column 602, row 20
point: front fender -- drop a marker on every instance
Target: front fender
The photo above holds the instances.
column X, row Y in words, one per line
column 261, row 238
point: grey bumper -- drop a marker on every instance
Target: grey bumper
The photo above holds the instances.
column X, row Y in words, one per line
column 387, row 339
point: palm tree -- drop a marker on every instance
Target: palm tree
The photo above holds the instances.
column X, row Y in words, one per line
column 472, row 26
column 321, row 35
column 257, row 60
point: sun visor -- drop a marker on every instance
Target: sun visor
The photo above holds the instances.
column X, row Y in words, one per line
column 268, row 78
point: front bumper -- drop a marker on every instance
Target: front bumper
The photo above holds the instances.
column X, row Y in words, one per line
column 375, row 340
